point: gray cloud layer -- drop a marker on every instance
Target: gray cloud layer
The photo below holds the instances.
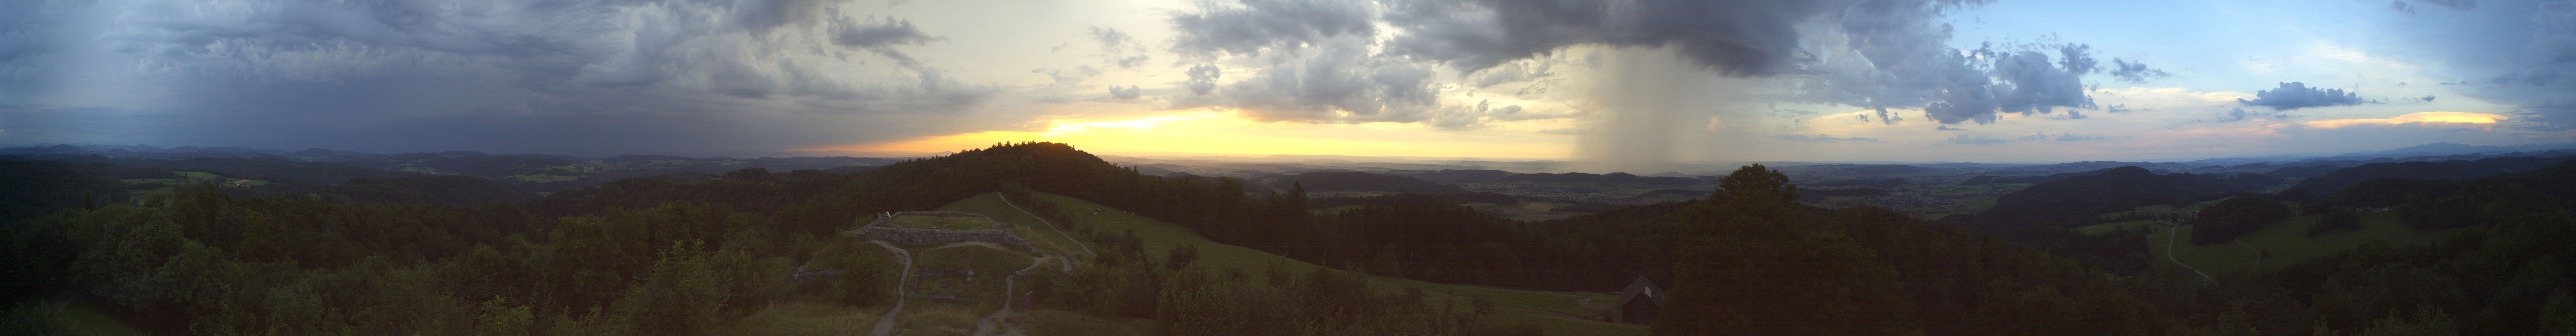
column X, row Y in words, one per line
column 2517, row 52
column 414, row 75
column 2296, row 95
column 1892, row 54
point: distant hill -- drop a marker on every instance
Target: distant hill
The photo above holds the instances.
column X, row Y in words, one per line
column 1455, row 175
column 2331, row 183
column 2075, row 200
column 2304, row 171
column 1881, row 184
column 1890, row 170
column 468, row 163
column 448, row 190
column 2432, row 203
column 255, row 167
column 1358, row 181
column 1988, row 179
column 1611, row 178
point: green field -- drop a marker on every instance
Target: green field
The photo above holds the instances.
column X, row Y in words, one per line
column 797, row 318
column 942, row 222
column 2103, row 228
column 1042, row 236
column 1548, row 310
column 2287, row 241
column 84, row 316
column 1057, row 322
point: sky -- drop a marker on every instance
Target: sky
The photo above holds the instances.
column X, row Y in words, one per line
column 1619, row 85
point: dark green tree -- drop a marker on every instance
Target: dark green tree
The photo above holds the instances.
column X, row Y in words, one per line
column 1756, row 182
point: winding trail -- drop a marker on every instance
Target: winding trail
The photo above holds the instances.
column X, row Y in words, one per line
column 991, row 324
column 1086, row 249
column 885, row 325
column 2169, row 254
column 2258, row 253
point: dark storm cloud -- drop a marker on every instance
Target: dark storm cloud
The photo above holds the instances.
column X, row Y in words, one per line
column 1335, row 83
column 2296, row 95
column 1946, row 128
column 2032, row 85
column 422, row 75
column 880, row 36
column 1895, row 53
column 1314, row 65
column 1736, row 38
column 1254, row 25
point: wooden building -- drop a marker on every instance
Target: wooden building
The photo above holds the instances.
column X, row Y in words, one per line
column 1639, row 303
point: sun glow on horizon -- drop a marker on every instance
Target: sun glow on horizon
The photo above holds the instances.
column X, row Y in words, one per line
column 2437, row 117
column 1227, row 133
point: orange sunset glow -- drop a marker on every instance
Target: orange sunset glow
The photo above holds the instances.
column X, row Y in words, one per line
column 1224, row 133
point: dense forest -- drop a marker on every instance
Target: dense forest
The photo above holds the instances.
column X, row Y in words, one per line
column 701, row 254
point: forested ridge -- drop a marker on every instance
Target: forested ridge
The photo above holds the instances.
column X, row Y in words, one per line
column 683, row 254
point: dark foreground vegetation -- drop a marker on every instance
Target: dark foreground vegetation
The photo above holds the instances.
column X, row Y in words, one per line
column 715, row 254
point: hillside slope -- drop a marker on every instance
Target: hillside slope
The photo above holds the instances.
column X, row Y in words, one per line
column 2334, row 182
column 1358, row 181
column 1554, row 312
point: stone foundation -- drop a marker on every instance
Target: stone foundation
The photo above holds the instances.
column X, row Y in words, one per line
column 884, row 229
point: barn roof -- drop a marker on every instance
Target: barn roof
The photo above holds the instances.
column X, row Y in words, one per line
column 1640, row 288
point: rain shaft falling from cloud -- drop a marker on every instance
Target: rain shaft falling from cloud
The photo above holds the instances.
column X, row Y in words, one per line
column 1653, row 100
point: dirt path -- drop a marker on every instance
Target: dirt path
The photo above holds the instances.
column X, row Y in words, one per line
column 1086, row 249
column 2169, row 255
column 885, row 325
column 2258, row 253
column 992, row 324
